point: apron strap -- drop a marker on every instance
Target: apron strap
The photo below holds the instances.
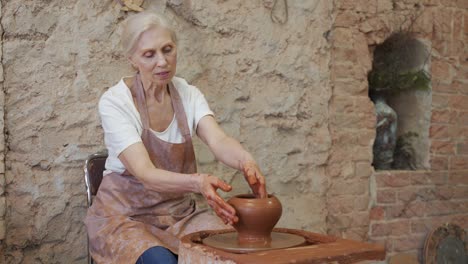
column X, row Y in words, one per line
column 181, row 118
column 141, row 101
column 179, row 111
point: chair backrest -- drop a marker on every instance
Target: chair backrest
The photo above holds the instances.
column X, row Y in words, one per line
column 93, row 171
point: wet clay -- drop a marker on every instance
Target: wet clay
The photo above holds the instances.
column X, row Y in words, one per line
column 257, row 218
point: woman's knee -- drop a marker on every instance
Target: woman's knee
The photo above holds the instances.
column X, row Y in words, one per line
column 157, row 255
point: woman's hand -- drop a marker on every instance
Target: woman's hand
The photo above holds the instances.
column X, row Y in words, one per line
column 208, row 185
column 255, row 178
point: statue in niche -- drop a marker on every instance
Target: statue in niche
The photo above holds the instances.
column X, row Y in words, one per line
column 404, row 157
column 385, row 139
column 398, row 66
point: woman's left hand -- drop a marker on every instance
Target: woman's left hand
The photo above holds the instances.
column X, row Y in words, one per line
column 255, row 178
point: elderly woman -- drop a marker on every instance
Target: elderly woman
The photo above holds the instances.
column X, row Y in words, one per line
column 143, row 205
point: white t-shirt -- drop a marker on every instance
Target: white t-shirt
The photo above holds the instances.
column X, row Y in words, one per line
column 122, row 124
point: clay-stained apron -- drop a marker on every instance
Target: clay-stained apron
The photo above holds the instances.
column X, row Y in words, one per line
column 126, row 219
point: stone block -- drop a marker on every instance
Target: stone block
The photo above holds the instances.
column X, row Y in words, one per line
column 448, row 3
column 443, row 20
column 439, row 163
column 440, row 101
column 424, row 225
column 349, row 86
column 442, row 147
column 366, row 137
column 429, row 178
column 396, row 228
column 353, row 187
column 446, row 208
column 444, row 192
column 425, row 23
column 341, row 37
column 444, row 116
column 348, row 71
column 461, row 220
column 344, row 54
column 363, row 54
column 348, row 172
column 459, row 192
column 351, row 220
column 458, row 132
column 443, row 88
column 354, row 121
column 386, row 196
column 342, row 104
column 460, row 87
column 363, row 169
column 463, row 118
column 408, row 243
column 442, row 70
column 407, row 195
column 363, row 105
column 439, row 131
column 2, row 206
column 458, row 25
column 384, row 5
column 2, row 229
column 452, row 192
column 462, row 4
column 377, row 213
column 392, row 179
column 458, row 178
column 458, row 102
column 345, row 204
column 410, row 210
column 459, row 162
column 462, row 148
column 465, row 24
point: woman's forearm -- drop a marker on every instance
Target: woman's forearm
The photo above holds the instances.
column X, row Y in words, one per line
column 230, row 152
column 169, row 182
column 136, row 160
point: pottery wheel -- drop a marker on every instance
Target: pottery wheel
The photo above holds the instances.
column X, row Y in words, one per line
column 228, row 242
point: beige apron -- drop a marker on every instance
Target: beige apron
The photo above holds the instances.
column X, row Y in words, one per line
column 126, row 219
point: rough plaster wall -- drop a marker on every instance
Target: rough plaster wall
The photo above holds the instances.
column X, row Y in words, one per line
column 58, row 58
column 267, row 83
column 2, row 147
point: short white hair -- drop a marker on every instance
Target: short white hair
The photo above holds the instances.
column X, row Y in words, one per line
column 137, row 24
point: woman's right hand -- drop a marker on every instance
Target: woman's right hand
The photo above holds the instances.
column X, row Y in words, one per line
column 207, row 186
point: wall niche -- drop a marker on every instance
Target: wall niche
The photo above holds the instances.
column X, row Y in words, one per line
column 400, row 87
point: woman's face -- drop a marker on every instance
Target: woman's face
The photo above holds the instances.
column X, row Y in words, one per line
column 155, row 56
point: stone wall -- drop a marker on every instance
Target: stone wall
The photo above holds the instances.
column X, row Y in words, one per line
column 416, row 202
column 352, row 122
column 404, row 205
column 59, row 56
column 263, row 68
column 2, row 147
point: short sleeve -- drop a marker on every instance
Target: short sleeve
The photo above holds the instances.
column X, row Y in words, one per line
column 201, row 107
column 119, row 130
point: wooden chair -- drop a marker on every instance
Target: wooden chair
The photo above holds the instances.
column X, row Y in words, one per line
column 93, row 172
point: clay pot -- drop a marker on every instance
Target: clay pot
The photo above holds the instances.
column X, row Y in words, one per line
column 257, row 217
